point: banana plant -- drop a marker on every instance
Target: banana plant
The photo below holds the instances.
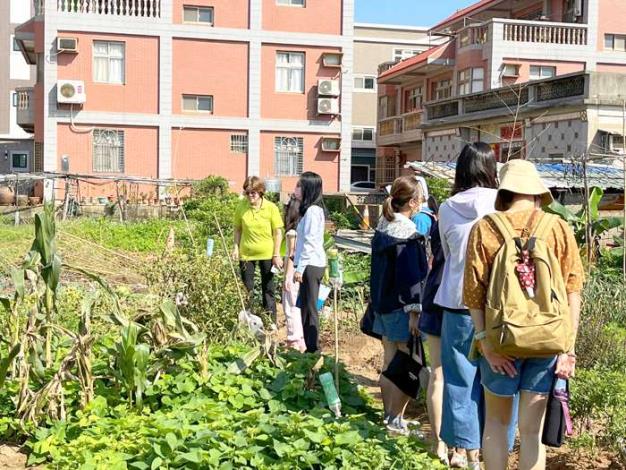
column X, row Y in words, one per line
column 578, row 220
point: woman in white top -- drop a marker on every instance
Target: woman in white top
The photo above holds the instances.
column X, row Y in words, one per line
column 310, row 257
column 295, row 338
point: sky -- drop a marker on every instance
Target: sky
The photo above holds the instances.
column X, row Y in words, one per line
column 407, row 12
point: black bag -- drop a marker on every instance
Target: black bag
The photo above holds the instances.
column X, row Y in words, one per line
column 367, row 322
column 558, row 422
column 405, row 370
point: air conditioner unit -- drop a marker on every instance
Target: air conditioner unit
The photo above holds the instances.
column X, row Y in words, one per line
column 71, row 92
column 332, row 59
column 327, row 106
column 331, row 144
column 328, row 87
column 65, row 44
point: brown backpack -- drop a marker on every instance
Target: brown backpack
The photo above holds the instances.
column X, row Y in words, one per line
column 519, row 325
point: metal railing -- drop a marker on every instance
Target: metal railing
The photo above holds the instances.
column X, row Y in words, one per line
column 134, row 8
column 560, row 88
column 544, row 32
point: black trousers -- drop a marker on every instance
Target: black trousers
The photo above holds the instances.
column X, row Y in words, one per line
column 309, row 291
column 248, row 269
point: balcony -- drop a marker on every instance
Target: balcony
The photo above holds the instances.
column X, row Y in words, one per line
column 125, row 8
column 543, row 93
column 542, row 32
column 25, row 116
column 400, row 129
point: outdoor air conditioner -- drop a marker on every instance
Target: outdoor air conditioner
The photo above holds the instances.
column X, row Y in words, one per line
column 328, row 87
column 71, row 92
column 327, row 106
column 65, row 44
column 331, row 144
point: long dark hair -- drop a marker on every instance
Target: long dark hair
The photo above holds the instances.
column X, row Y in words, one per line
column 292, row 214
column 475, row 167
column 311, row 188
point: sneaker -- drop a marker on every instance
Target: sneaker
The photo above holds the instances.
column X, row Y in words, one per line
column 398, row 428
column 458, row 461
column 473, row 465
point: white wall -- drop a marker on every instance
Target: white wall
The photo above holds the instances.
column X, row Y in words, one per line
column 20, row 11
column 19, row 69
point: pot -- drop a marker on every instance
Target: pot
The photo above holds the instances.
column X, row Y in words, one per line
column 22, row 200
column 6, row 196
column 34, row 200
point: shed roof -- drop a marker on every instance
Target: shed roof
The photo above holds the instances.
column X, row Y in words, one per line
column 554, row 175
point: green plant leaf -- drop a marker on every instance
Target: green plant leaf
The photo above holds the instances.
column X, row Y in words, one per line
column 6, row 362
column 171, row 440
column 193, row 456
column 156, row 463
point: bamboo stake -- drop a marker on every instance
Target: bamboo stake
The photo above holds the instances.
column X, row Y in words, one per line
column 624, row 164
column 66, row 198
column 230, row 261
column 335, row 288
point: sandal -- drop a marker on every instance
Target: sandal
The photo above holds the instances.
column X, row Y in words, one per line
column 458, row 460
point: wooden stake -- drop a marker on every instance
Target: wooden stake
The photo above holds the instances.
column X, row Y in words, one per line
column 66, row 198
column 336, row 337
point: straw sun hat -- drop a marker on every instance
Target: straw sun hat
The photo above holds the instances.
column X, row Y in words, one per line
column 521, row 177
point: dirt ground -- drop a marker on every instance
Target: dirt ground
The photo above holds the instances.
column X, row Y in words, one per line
column 363, row 358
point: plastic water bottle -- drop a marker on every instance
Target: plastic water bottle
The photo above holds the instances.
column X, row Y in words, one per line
column 210, row 243
column 333, row 263
column 332, row 398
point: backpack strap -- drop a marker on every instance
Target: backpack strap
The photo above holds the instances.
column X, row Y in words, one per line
column 542, row 230
column 503, row 225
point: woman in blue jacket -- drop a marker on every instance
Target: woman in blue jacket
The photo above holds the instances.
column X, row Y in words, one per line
column 399, row 265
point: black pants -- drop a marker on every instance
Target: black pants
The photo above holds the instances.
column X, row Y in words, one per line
column 309, row 291
column 248, row 269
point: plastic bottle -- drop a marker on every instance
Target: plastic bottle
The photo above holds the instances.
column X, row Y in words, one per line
column 210, row 243
column 333, row 263
column 334, row 403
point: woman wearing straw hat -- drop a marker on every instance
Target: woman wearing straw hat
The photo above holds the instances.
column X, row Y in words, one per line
column 521, row 195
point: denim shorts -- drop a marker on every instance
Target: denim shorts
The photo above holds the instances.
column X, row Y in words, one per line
column 393, row 325
column 534, row 375
column 430, row 321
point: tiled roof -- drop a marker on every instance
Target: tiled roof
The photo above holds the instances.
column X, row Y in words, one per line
column 411, row 61
column 554, row 175
column 465, row 12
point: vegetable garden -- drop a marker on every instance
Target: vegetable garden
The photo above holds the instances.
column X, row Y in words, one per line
column 120, row 348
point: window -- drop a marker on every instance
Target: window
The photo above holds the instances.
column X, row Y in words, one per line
column 198, row 103
column 386, row 106
column 365, row 83
column 108, row 62
column 239, row 143
column 289, row 153
column 402, row 54
column 291, row 3
column 14, row 99
column 510, row 70
column 443, row 89
column 290, row 72
column 470, row 81
column 414, row 99
column 615, row 42
column 202, row 15
column 365, row 134
column 19, row 161
column 16, row 46
column 108, row 151
column 541, row 71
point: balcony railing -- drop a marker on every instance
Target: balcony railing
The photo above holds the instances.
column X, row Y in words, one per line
column 508, row 99
column 412, row 121
column 24, row 114
column 132, row 8
column 390, row 126
column 473, row 35
column 382, row 68
column 39, row 6
column 544, row 32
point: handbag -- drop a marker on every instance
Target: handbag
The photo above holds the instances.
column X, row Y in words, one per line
column 367, row 322
column 405, row 370
column 558, row 422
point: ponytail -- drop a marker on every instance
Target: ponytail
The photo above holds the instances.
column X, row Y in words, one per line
column 388, row 211
column 402, row 191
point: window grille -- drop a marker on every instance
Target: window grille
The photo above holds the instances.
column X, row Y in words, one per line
column 108, row 151
column 289, row 153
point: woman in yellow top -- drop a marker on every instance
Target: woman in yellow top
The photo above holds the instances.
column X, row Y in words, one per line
column 258, row 235
column 521, row 195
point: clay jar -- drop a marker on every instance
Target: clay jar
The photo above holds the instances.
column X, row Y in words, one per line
column 6, row 196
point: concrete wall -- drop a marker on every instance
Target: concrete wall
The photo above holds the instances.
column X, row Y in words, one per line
column 319, row 16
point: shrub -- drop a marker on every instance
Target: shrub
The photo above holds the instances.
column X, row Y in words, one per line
column 207, row 287
column 439, row 188
column 205, row 209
